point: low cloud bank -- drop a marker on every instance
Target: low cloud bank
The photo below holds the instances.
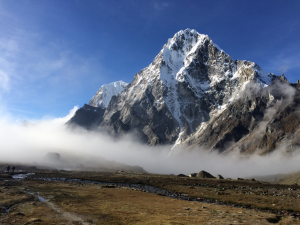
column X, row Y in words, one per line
column 30, row 143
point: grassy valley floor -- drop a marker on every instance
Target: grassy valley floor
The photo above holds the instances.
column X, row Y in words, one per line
column 34, row 201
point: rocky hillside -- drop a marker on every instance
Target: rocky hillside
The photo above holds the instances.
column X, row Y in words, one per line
column 193, row 94
column 261, row 120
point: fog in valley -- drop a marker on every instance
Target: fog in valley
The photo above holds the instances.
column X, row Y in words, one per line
column 31, row 142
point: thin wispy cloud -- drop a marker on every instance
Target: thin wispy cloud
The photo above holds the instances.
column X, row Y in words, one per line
column 38, row 70
column 288, row 63
column 4, row 81
column 8, row 49
column 31, row 70
column 159, row 6
column 22, row 62
column 283, row 68
column 284, row 64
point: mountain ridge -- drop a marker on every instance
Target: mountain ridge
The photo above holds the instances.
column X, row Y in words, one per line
column 189, row 83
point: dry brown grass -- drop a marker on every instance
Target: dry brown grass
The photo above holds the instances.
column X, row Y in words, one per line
column 24, row 208
column 247, row 197
column 248, row 193
column 94, row 205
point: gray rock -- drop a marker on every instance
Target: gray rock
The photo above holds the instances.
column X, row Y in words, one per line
column 193, row 175
column 204, row 174
column 181, row 175
column 53, row 156
column 219, row 177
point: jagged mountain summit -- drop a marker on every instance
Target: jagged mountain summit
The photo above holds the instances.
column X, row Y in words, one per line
column 104, row 94
column 189, row 84
column 90, row 116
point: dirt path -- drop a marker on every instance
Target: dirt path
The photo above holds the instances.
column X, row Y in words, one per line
column 71, row 217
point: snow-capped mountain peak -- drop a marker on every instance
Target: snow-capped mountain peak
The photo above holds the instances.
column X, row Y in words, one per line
column 105, row 93
column 194, row 78
column 189, row 83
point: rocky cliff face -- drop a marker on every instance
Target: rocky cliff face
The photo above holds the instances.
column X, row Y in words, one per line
column 193, row 94
column 88, row 117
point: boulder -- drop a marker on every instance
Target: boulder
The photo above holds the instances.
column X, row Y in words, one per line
column 181, row 175
column 53, row 156
column 219, row 177
column 193, row 175
column 204, row 174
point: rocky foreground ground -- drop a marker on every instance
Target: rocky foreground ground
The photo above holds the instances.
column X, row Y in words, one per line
column 140, row 198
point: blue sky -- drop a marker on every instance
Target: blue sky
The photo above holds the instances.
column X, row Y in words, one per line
column 55, row 54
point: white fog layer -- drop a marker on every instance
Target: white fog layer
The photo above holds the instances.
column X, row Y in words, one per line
column 31, row 142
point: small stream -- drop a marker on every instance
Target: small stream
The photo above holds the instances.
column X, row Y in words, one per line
column 41, row 199
column 137, row 187
column 7, row 210
column 144, row 188
column 21, row 176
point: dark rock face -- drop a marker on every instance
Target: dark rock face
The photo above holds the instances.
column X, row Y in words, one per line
column 154, row 124
column 87, row 116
